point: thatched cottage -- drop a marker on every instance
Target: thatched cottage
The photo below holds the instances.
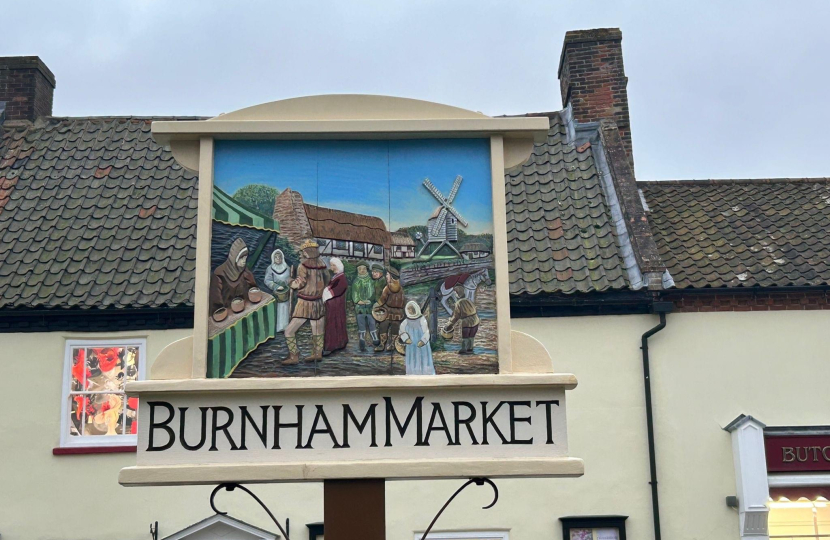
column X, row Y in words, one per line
column 339, row 233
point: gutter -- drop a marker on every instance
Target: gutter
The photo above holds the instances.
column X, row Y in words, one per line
column 661, row 308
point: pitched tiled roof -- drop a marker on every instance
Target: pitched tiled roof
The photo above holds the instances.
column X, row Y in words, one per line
column 741, row 233
column 94, row 213
column 561, row 237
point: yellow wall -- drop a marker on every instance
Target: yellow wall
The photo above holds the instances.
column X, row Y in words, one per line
column 707, row 368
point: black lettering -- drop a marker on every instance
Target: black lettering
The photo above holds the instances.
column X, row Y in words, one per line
column 348, row 415
column 215, row 428
column 298, row 425
column 203, row 438
column 438, row 413
column 548, row 417
column 513, row 419
column 321, row 415
column 262, row 432
column 466, row 421
column 162, row 425
column 416, row 410
column 488, row 419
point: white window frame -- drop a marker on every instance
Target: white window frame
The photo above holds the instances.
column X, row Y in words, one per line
column 87, row 441
column 464, row 535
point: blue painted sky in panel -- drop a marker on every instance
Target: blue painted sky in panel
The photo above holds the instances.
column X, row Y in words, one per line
column 377, row 178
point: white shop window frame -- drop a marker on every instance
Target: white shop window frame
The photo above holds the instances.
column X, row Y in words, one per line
column 465, row 535
column 90, row 441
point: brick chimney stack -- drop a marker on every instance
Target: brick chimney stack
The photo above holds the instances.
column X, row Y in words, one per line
column 592, row 79
column 26, row 87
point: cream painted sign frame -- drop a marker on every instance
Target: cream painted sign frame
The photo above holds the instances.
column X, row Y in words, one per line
column 178, row 375
column 350, row 117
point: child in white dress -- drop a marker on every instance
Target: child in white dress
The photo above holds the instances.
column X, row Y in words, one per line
column 415, row 335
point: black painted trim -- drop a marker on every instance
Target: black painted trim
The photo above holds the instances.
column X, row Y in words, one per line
column 589, row 522
column 315, row 530
column 581, row 304
column 94, row 320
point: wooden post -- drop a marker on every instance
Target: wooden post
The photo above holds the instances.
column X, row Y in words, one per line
column 433, row 314
column 354, row 509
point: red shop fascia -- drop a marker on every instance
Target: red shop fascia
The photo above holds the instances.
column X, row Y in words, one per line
column 798, row 461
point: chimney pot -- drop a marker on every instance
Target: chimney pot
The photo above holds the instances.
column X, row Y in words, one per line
column 26, row 88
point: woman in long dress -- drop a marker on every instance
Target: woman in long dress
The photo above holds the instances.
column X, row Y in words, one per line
column 415, row 335
column 334, row 297
column 279, row 274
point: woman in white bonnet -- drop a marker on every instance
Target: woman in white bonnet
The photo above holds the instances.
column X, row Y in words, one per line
column 279, row 274
column 415, row 335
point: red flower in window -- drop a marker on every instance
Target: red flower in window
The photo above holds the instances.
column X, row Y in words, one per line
column 82, row 403
column 132, row 403
column 79, row 369
column 107, row 358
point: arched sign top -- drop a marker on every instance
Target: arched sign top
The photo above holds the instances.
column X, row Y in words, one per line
column 348, row 107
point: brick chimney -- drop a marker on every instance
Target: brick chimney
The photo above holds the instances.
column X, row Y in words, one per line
column 26, row 87
column 592, row 79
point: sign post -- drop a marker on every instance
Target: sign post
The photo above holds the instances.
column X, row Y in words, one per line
column 346, row 520
column 325, row 348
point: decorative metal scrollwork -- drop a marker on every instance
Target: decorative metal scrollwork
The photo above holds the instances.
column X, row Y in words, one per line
column 477, row 481
column 230, row 486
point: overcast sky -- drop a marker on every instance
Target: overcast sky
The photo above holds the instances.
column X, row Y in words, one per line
column 717, row 89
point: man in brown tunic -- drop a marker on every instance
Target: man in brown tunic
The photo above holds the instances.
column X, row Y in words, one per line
column 312, row 278
column 393, row 300
column 465, row 314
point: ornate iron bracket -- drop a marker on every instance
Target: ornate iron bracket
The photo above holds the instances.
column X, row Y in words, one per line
column 477, row 481
column 480, row 481
column 230, row 486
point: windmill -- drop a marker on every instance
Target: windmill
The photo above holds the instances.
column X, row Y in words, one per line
column 442, row 226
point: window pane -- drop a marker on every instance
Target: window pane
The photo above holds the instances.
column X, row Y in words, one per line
column 131, row 417
column 106, row 368
column 131, row 364
column 104, row 414
column 582, row 534
column 76, row 413
column 607, row 533
column 79, row 369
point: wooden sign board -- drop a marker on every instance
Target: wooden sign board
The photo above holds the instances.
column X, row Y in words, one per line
column 352, row 313
column 277, row 430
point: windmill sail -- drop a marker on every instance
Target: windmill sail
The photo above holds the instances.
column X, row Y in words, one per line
column 446, row 203
column 436, row 227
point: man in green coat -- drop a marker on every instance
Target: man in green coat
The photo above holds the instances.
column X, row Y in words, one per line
column 363, row 296
column 378, row 280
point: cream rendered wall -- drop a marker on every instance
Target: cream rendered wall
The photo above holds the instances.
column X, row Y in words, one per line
column 77, row 497
column 706, row 369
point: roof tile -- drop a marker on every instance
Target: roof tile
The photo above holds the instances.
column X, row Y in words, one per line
column 742, row 233
column 561, row 237
column 73, row 232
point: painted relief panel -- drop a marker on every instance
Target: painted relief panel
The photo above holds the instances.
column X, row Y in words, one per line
column 333, row 258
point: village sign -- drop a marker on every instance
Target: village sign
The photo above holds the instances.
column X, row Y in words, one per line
column 352, row 311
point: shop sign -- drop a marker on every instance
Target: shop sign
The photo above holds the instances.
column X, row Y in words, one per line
column 798, row 453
